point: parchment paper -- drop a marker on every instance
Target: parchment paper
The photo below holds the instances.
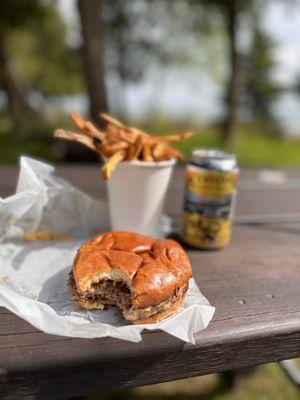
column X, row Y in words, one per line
column 33, row 275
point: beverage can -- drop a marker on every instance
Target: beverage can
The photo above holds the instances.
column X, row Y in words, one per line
column 209, row 199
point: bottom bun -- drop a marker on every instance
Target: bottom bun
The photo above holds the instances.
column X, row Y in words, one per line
column 95, row 304
column 161, row 315
column 91, row 305
column 88, row 304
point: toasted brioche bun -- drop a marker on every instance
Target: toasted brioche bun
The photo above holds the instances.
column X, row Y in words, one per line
column 153, row 270
column 161, row 315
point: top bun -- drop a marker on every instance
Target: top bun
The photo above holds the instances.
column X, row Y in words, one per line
column 153, row 270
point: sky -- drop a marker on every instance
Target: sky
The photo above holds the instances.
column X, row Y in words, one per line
column 198, row 96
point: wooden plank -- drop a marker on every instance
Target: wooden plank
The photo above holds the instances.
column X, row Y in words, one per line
column 31, row 351
column 257, row 320
column 147, row 363
column 254, row 284
column 254, row 201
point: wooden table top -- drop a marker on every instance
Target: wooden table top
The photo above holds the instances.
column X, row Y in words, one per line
column 254, row 285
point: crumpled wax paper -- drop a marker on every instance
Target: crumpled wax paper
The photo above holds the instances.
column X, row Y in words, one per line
column 33, row 275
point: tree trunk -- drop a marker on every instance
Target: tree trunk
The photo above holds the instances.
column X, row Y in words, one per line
column 92, row 30
column 233, row 89
column 16, row 96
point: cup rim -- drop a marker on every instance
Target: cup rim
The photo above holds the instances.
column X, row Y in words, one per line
column 165, row 163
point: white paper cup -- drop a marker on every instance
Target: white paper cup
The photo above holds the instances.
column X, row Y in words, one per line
column 137, row 192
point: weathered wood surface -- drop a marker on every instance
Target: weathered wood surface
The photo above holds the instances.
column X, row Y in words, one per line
column 254, row 285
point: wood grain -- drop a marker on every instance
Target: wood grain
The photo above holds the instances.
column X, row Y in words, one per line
column 254, row 285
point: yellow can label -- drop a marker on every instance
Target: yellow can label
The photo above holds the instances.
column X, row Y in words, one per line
column 206, row 232
column 210, row 184
column 208, row 207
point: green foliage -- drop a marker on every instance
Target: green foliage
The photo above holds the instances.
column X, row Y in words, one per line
column 257, row 145
column 224, row 5
column 35, row 41
column 254, row 147
column 36, row 141
column 261, row 90
column 19, row 13
column 142, row 33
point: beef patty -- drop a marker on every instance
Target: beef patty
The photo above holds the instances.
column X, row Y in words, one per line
column 117, row 293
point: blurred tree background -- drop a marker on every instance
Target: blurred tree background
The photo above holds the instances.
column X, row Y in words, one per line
column 118, row 45
column 35, row 58
column 105, row 56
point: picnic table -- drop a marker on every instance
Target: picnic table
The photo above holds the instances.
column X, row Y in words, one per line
column 254, row 285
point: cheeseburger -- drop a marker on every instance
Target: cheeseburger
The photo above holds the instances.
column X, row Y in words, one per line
column 146, row 278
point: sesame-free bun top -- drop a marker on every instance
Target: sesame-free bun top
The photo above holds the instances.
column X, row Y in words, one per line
column 154, row 270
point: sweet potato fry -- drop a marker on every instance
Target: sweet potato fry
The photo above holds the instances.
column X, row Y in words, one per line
column 87, row 127
column 173, row 153
column 34, row 236
column 109, row 149
column 177, row 137
column 135, row 131
column 159, row 151
column 146, row 153
column 112, row 132
column 111, row 164
column 92, row 131
column 129, row 137
column 77, row 120
column 113, row 121
column 75, row 137
column 120, row 142
column 135, row 149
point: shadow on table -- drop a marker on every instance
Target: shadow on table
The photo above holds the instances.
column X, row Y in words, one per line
column 223, row 386
column 280, row 228
column 33, row 247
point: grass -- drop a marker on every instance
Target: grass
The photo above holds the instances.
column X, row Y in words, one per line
column 255, row 147
column 35, row 140
column 267, row 382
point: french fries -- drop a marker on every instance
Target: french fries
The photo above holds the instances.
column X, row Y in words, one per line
column 146, row 152
column 75, row 137
column 177, row 138
column 110, row 120
column 87, row 127
column 159, row 151
column 111, row 164
column 120, row 142
column 135, row 149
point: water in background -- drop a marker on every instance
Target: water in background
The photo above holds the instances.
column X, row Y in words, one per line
column 178, row 101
